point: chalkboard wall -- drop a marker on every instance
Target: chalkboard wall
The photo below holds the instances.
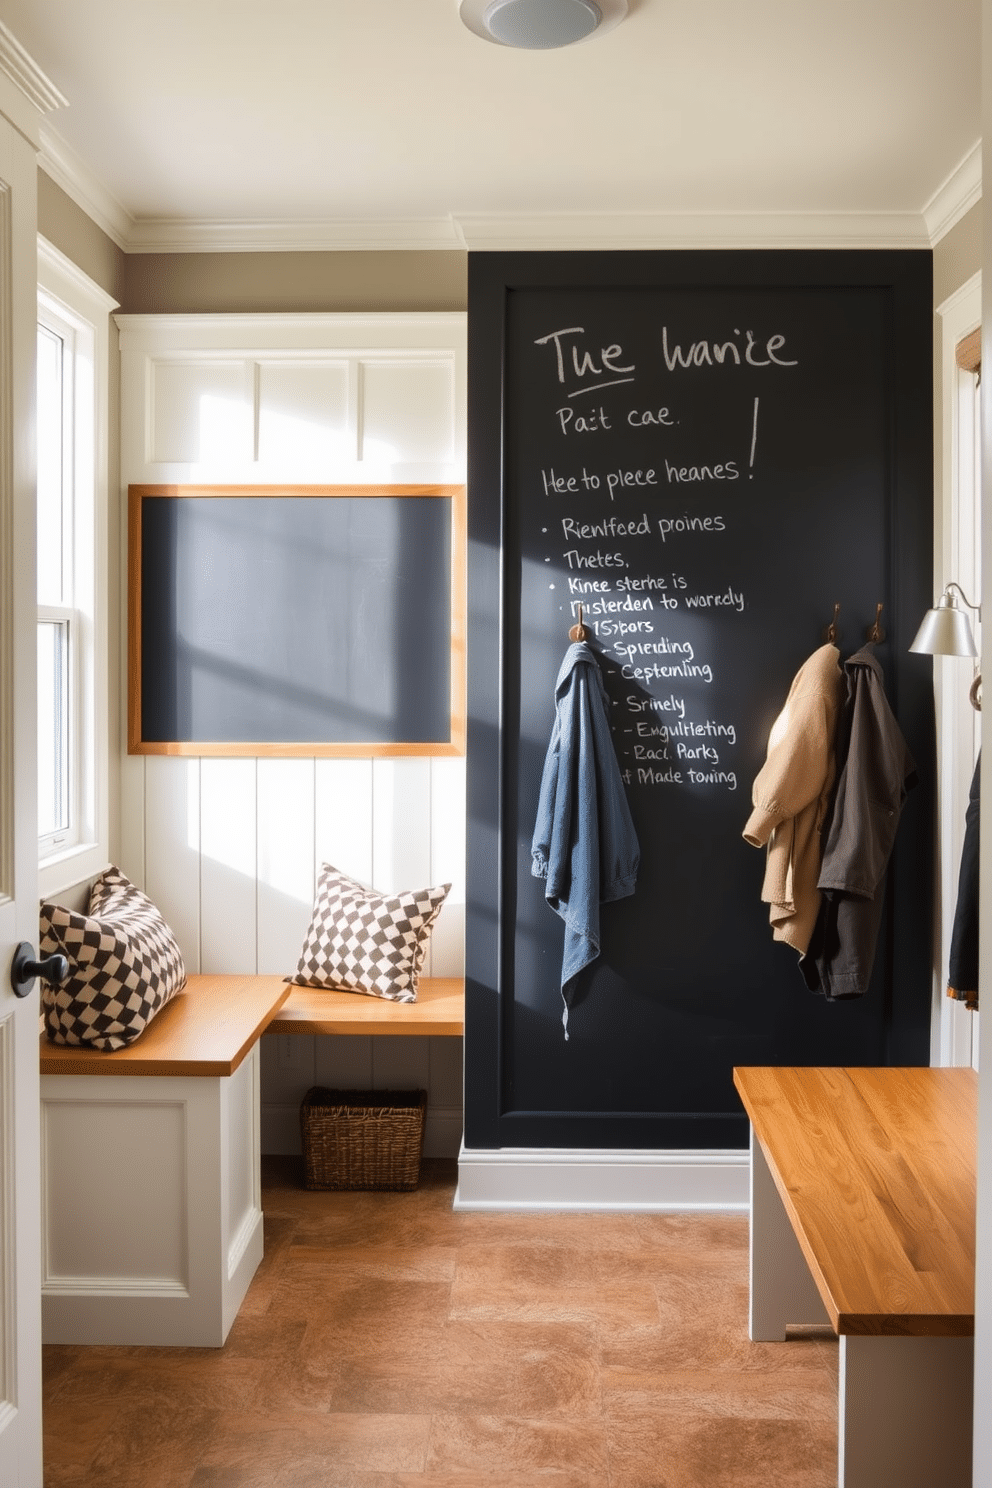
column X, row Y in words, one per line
column 296, row 619
column 708, row 451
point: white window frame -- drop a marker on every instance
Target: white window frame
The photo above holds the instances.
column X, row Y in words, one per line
column 78, row 310
column 957, row 557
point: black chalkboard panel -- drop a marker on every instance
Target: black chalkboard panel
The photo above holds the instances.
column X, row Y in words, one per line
column 296, row 620
column 709, row 452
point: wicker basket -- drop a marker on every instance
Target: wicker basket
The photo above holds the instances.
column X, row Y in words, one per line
column 362, row 1138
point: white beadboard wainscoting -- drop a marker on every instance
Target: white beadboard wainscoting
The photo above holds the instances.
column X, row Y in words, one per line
column 229, row 848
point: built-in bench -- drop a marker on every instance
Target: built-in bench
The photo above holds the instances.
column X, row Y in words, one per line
column 438, row 1011
column 863, row 1215
column 151, row 1201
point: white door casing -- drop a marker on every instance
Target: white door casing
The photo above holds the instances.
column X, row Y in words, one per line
column 24, row 95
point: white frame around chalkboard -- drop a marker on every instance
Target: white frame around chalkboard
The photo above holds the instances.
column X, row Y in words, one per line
column 453, row 745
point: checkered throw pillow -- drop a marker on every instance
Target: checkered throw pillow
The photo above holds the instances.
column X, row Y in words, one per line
column 124, row 964
column 361, row 941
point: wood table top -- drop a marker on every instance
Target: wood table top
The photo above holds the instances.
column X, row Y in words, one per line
column 439, row 1011
column 876, row 1169
column 206, row 1029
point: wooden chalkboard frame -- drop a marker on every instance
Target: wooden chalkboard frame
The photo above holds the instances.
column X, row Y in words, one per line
column 454, row 745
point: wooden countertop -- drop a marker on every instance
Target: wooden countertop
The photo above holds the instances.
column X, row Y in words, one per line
column 438, row 1011
column 206, row 1029
column 876, row 1169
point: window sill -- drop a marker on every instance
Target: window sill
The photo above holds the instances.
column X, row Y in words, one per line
column 70, row 866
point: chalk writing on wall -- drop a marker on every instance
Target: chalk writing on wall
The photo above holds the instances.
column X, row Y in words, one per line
column 703, row 453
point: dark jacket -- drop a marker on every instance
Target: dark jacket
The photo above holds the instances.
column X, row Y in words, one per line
column 962, row 971
column 875, row 772
column 584, row 846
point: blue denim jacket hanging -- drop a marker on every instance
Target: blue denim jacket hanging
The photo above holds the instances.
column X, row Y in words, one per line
column 585, row 846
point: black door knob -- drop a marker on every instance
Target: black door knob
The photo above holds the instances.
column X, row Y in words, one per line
column 25, row 967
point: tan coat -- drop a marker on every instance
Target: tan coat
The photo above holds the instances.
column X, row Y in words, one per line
column 791, row 794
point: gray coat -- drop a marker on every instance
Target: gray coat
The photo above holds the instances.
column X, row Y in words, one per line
column 875, row 772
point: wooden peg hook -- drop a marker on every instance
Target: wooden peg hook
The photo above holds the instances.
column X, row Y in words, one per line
column 578, row 632
column 830, row 634
column 876, row 633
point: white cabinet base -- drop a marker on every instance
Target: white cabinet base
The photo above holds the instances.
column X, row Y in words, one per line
column 151, row 1216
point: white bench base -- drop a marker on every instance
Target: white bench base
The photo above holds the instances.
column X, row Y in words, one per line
column 905, row 1404
column 151, row 1205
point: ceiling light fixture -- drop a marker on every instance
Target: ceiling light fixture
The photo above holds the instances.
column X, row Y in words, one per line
column 539, row 25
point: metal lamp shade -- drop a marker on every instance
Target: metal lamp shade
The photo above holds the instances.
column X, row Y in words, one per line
column 946, row 631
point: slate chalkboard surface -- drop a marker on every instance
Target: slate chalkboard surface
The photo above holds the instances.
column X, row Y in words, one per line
column 296, row 620
column 708, row 452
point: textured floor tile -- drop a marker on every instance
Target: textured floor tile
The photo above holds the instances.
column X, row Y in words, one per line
column 283, row 1451
column 723, row 1453
column 517, row 1369
column 308, row 1264
column 56, row 1359
column 351, row 1366
column 565, row 1303
column 75, row 1432
column 517, row 1445
column 175, row 1378
column 377, row 1309
column 154, row 1444
column 489, row 1477
column 807, row 1394
column 265, row 1337
column 279, row 1232
column 703, row 1324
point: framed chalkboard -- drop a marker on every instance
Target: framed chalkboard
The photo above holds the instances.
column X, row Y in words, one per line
column 296, row 620
column 707, row 451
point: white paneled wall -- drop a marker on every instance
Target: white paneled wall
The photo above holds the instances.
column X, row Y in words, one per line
column 230, row 848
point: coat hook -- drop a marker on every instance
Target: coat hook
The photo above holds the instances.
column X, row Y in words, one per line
column 876, row 633
column 578, row 632
column 830, row 634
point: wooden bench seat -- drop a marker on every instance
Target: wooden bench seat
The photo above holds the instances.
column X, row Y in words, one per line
column 205, row 1030
column 439, row 1011
column 863, row 1214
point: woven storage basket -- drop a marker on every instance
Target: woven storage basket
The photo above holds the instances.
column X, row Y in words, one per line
column 362, row 1138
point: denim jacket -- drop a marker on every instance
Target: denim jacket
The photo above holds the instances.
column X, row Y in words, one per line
column 584, row 846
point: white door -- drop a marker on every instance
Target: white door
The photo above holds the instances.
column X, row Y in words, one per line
column 20, row 1279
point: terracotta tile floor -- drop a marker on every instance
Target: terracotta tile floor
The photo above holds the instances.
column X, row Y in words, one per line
column 387, row 1342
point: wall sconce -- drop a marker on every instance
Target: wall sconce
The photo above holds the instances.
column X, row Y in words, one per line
column 946, row 630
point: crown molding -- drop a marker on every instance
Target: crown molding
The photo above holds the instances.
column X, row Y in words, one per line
column 480, row 232
column 958, row 194
column 59, row 161
column 658, row 230
column 172, row 235
column 26, row 75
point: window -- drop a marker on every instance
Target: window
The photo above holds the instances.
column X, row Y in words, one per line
column 72, row 397
column 58, row 626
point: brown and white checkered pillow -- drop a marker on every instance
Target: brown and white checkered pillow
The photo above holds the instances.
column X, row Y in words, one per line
column 362, row 941
column 124, row 964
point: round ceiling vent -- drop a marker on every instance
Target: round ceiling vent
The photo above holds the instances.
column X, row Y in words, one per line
column 538, row 25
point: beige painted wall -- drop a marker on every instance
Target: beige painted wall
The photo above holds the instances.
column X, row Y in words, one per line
column 68, row 229
column 958, row 255
column 190, row 283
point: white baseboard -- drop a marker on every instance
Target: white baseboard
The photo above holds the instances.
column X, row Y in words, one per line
column 281, row 1131
column 652, row 1182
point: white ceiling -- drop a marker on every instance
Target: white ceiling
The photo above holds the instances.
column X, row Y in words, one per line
column 387, row 123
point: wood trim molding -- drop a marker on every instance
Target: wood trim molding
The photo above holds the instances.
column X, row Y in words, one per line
column 313, row 749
